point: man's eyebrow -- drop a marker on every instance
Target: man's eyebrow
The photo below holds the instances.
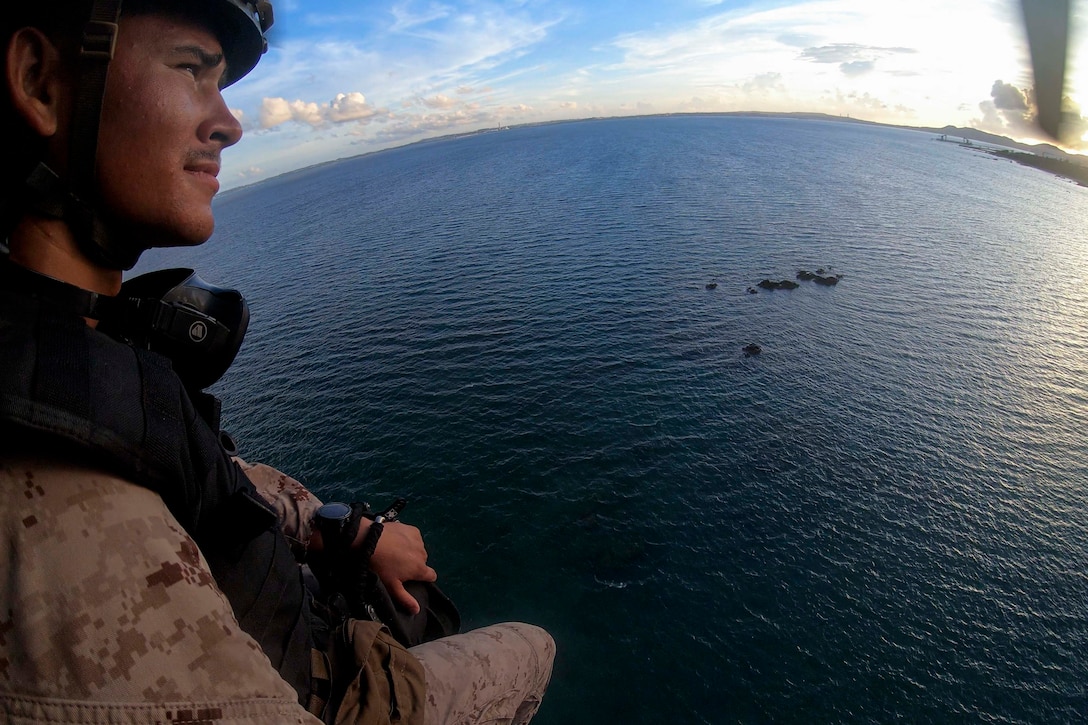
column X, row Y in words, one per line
column 208, row 60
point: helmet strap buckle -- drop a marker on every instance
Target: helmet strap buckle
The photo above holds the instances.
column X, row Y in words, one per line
column 99, row 40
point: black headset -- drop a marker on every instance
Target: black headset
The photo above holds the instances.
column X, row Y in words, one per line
column 198, row 326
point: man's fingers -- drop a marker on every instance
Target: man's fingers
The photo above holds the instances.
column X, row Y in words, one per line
column 403, row 599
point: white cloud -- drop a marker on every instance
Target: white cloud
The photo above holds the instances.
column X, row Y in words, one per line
column 424, row 52
column 920, row 62
column 343, row 108
column 404, row 19
column 440, row 101
column 857, row 68
column 924, row 55
column 763, row 84
column 849, row 52
column 349, row 107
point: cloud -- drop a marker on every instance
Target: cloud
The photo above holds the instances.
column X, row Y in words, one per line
column 1008, row 97
column 319, row 20
column 847, row 52
column 404, row 19
column 1074, row 124
column 399, row 128
column 764, row 83
column 277, row 111
column 854, row 60
column 343, row 108
column 864, row 101
column 857, row 68
column 349, row 107
column 440, row 101
column 529, row 60
column 1010, row 111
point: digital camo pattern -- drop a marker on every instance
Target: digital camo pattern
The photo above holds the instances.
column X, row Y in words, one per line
column 294, row 504
column 108, row 612
column 490, row 676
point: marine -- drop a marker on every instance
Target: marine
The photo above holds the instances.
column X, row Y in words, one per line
column 151, row 574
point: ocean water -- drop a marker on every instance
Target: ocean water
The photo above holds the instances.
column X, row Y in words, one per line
column 882, row 517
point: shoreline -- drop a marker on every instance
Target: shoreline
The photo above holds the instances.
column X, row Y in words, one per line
column 1057, row 167
column 1041, row 156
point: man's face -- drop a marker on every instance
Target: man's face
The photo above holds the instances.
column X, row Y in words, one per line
column 164, row 124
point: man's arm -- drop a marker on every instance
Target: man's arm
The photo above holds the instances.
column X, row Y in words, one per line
column 294, row 503
column 399, row 557
column 109, row 608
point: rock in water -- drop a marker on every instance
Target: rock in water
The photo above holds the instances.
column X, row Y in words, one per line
column 784, row 284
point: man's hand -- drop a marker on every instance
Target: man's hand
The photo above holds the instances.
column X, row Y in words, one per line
column 400, row 557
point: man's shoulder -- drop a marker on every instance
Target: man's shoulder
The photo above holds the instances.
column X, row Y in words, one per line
column 45, row 493
column 108, row 599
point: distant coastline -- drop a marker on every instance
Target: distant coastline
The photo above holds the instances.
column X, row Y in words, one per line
column 1044, row 156
column 1077, row 172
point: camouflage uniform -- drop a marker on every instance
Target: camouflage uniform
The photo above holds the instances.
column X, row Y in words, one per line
column 295, row 505
column 109, row 613
column 495, row 674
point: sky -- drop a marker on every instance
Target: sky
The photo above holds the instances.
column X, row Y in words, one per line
column 346, row 77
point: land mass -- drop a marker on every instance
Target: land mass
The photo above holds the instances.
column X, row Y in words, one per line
column 1044, row 156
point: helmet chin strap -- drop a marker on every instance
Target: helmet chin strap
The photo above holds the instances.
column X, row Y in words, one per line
column 72, row 200
column 50, row 197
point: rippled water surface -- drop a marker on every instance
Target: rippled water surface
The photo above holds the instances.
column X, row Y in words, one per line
column 884, row 516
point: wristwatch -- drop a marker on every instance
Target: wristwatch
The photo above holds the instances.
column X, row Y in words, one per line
column 333, row 521
column 339, row 524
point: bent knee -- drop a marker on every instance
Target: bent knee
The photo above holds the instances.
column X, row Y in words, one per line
column 537, row 637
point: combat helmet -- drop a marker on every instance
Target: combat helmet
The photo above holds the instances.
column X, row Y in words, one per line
column 240, row 26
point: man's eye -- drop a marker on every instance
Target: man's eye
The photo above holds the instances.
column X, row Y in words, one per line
column 192, row 68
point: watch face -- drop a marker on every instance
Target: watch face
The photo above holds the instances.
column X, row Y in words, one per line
column 335, row 511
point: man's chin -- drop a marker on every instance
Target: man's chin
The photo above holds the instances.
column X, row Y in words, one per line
column 162, row 236
column 188, row 241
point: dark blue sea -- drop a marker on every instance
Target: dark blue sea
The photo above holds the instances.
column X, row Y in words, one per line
column 883, row 517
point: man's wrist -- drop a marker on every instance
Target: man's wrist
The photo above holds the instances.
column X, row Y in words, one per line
column 369, row 539
column 339, row 526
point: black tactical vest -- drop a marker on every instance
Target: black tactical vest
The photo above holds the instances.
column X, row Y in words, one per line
column 81, row 396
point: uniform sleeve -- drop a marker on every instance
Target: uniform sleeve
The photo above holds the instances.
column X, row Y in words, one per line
column 108, row 611
column 294, row 503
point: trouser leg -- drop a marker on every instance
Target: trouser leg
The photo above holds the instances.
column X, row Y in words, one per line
column 490, row 676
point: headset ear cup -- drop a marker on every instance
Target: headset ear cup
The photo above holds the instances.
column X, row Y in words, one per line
column 214, row 324
column 199, row 326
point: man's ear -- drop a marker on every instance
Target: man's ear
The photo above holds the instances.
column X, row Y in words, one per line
column 34, row 80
